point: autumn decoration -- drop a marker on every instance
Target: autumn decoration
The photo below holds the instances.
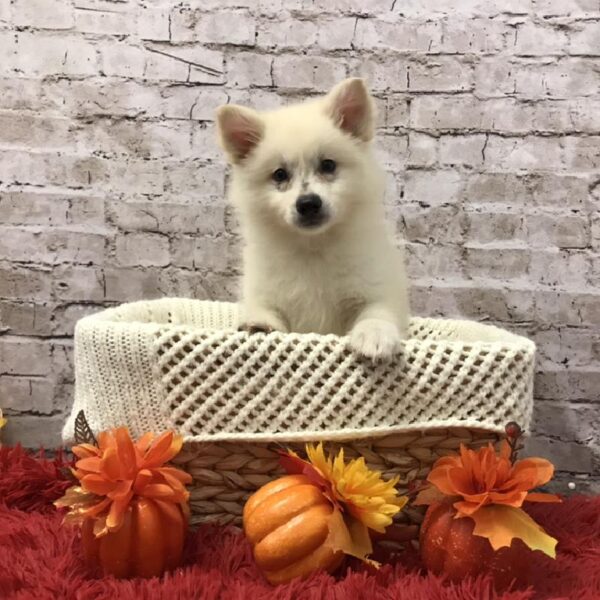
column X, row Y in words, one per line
column 132, row 508
column 475, row 522
column 323, row 510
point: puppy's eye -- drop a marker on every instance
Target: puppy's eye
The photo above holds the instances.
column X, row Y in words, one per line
column 280, row 175
column 327, row 166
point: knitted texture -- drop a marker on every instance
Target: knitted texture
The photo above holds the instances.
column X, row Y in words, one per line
column 181, row 364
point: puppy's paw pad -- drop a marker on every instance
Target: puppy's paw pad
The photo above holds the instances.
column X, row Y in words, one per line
column 375, row 339
column 256, row 328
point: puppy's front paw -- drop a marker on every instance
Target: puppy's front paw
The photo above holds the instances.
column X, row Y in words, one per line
column 256, row 328
column 260, row 320
column 375, row 339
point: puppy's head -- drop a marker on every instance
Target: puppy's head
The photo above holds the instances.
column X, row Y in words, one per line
column 303, row 167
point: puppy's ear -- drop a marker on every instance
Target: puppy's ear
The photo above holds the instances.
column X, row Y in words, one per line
column 240, row 129
column 351, row 108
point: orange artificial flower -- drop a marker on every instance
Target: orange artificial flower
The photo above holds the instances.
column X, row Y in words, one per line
column 482, row 477
column 487, row 487
column 118, row 469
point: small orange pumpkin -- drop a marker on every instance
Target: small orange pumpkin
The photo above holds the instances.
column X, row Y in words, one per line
column 286, row 522
column 449, row 547
column 148, row 543
column 132, row 507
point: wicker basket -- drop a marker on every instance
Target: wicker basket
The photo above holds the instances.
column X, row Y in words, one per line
column 237, row 398
column 225, row 474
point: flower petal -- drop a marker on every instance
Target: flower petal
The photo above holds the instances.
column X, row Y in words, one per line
column 542, row 497
column 178, row 474
column 503, row 476
column 468, row 508
column 162, row 450
column 96, row 484
column 92, row 464
column 438, row 476
column 501, row 524
column 85, row 451
column 316, row 457
column 144, row 442
column 110, row 464
column 376, row 520
column 127, row 452
column 173, row 448
column 78, row 474
column 116, row 515
column 173, row 483
column 105, row 440
column 462, row 482
column 505, row 450
column 122, row 488
column 532, row 472
column 143, row 478
column 515, row 499
column 96, row 509
column 489, row 467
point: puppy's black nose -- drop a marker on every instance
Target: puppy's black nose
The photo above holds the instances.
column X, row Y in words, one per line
column 309, row 205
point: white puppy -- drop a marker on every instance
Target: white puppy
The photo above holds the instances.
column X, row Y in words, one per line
column 308, row 193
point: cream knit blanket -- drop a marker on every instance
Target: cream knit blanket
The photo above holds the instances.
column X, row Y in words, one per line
column 180, row 364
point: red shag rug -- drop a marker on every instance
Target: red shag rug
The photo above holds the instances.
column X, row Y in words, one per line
column 41, row 560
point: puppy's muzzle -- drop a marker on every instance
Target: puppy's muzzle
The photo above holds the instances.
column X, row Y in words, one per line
column 310, row 210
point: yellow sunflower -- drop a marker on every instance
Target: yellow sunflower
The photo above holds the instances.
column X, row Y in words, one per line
column 367, row 496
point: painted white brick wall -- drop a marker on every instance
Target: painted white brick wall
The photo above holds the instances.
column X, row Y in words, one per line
column 112, row 187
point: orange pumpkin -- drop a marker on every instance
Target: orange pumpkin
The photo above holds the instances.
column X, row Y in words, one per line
column 148, row 543
column 286, row 521
column 448, row 547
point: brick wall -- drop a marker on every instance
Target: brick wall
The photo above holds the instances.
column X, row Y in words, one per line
column 111, row 184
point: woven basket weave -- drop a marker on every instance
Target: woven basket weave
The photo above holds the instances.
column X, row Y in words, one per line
column 225, row 474
column 182, row 364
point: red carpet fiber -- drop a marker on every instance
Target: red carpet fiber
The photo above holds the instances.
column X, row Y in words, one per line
column 40, row 559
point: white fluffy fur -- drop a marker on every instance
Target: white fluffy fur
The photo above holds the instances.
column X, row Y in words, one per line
column 344, row 276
